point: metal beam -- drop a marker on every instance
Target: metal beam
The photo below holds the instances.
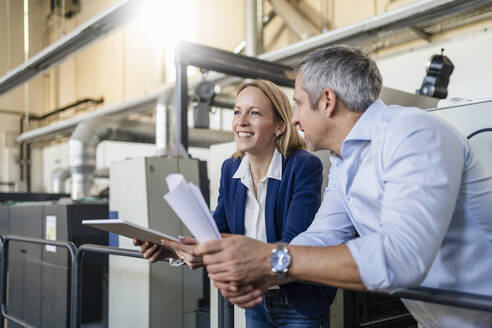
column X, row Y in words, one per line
column 234, row 64
column 398, row 19
column 301, row 26
column 73, row 42
column 401, row 18
column 208, row 58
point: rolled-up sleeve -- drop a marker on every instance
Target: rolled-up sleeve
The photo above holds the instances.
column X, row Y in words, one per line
column 421, row 174
column 331, row 225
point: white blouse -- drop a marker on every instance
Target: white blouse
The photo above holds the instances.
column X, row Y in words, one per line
column 254, row 212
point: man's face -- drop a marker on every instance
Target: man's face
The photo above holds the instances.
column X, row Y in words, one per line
column 309, row 120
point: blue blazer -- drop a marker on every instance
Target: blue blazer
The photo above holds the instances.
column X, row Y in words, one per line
column 290, row 206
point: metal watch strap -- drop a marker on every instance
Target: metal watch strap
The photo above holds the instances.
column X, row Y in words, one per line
column 281, row 246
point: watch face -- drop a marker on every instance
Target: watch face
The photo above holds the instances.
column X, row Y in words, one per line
column 280, row 261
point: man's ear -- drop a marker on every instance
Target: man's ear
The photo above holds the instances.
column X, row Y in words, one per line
column 328, row 102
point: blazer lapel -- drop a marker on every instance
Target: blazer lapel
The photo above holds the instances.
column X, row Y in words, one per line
column 273, row 231
column 271, row 197
column 239, row 205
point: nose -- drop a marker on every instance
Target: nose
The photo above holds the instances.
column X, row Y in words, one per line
column 295, row 119
column 242, row 119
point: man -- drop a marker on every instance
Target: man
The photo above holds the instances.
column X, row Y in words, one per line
column 406, row 182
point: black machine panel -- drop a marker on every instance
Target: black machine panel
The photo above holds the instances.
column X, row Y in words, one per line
column 373, row 310
column 39, row 275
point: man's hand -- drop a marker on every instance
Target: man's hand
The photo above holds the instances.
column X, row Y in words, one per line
column 185, row 251
column 153, row 252
column 237, row 259
column 244, row 296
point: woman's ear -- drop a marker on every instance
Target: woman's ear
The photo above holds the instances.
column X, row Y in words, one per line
column 280, row 129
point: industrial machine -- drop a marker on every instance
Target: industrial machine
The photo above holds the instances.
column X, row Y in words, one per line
column 39, row 275
column 143, row 294
column 474, row 121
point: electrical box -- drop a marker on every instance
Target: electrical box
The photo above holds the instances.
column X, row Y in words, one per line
column 143, row 294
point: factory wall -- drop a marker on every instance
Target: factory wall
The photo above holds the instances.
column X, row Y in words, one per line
column 128, row 63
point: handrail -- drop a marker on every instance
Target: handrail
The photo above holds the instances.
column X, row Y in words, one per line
column 94, row 249
column 426, row 294
column 72, row 249
column 446, row 297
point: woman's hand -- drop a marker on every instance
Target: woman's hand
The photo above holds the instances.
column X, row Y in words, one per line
column 185, row 251
column 153, row 252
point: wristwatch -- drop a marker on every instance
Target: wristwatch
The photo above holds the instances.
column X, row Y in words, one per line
column 280, row 260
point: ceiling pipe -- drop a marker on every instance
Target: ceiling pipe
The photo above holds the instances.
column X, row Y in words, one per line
column 60, row 176
column 253, row 27
column 400, row 18
column 301, row 26
column 83, row 143
column 68, row 45
column 87, row 136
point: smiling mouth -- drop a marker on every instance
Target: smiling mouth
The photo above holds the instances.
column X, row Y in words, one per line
column 245, row 134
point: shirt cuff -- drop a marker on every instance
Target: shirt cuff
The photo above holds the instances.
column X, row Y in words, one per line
column 368, row 254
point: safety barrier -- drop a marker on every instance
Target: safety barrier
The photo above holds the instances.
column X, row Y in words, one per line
column 4, row 243
column 432, row 295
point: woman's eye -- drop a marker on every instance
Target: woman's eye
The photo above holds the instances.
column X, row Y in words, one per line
column 255, row 113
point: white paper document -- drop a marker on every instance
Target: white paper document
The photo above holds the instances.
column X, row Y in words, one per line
column 187, row 201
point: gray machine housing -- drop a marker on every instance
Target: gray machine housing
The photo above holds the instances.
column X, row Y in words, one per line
column 39, row 278
column 143, row 294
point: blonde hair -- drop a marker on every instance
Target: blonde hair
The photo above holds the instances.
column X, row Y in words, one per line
column 290, row 140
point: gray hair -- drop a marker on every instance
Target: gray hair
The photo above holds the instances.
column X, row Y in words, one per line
column 352, row 75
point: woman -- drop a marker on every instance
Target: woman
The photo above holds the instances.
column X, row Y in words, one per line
column 269, row 190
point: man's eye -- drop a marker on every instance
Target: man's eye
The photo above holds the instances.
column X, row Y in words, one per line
column 236, row 112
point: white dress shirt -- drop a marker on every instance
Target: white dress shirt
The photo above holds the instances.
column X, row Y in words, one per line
column 412, row 188
column 254, row 212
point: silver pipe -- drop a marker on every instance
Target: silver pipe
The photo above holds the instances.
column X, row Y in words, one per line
column 254, row 27
column 224, row 100
column 414, row 10
column 265, row 21
column 79, row 38
column 60, row 176
column 204, row 138
column 116, row 111
column 7, row 11
column 259, row 26
column 83, row 143
column 103, row 173
column 302, row 27
column 87, row 135
column 161, row 127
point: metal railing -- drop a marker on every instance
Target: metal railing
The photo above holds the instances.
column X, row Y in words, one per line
column 446, row 297
column 431, row 295
column 4, row 242
column 86, row 248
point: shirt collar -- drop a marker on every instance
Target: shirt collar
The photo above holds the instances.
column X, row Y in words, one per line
column 363, row 127
column 274, row 170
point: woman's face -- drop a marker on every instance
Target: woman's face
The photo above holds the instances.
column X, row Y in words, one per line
column 253, row 124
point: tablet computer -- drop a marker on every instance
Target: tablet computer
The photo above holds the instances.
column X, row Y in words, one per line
column 129, row 229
